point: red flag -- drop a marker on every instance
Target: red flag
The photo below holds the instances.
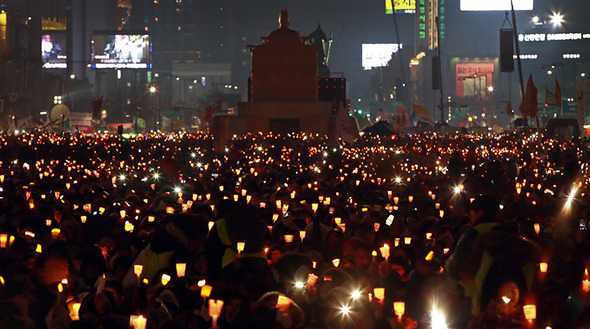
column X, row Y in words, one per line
column 557, row 94
column 96, row 106
column 208, row 113
column 212, row 109
column 528, row 108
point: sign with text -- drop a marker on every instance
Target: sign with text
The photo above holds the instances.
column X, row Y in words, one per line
column 401, row 6
column 378, row 54
column 495, row 5
column 473, row 79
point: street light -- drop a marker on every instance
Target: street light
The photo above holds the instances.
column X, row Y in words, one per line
column 557, row 19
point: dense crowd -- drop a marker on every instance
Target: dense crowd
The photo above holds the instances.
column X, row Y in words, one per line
column 295, row 231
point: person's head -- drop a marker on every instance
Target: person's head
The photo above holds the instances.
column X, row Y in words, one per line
column 484, row 208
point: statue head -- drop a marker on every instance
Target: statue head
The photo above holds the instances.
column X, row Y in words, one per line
column 284, row 19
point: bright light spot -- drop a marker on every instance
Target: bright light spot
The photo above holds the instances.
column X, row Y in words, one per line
column 557, row 19
column 177, row 190
column 398, row 180
column 153, row 89
column 355, row 294
column 457, row 189
column 199, row 165
column 506, row 299
column 438, row 320
column 156, row 175
column 299, row 285
column 122, row 177
column 571, row 197
column 193, row 155
column 345, row 310
column 535, row 19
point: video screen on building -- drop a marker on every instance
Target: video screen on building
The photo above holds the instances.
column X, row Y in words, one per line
column 495, row 5
column 53, row 49
column 474, row 79
column 401, row 6
column 378, row 54
column 125, row 51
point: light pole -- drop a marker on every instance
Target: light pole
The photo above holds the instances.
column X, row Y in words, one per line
column 153, row 93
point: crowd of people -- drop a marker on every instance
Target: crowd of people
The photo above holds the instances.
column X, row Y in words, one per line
column 294, row 231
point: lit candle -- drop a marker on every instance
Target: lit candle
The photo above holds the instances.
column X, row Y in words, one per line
column 336, row 262
column 180, row 269
column 215, row 307
column 376, row 226
column 379, row 293
column 399, row 308
column 129, row 227
column 302, row 235
column 137, row 322
column 530, row 312
column 311, row 279
column 240, row 247
column 206, row 290
column 165, row 279
column 283, row 302
column 385, row 250
column 288, row 238
column 429, row 256
column 407, row 240
column 314, row 207
column 3, row 240
column 543, row 267
column 76, row 311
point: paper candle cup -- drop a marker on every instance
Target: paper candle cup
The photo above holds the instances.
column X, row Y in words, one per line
column 206, row 291
column 379, row 293
column 180, row 269
column 399, row 308
column 283, row 302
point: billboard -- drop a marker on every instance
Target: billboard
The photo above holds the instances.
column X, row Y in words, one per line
column 125, row 51
column 401, row 6
column 53, row 49
column 378, row 54
column 473, row 79
column 495, row 5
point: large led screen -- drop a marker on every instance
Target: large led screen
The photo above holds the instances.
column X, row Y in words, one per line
column 493, row 5
column 378, row 54
column 53, row 49
column 128, row 51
